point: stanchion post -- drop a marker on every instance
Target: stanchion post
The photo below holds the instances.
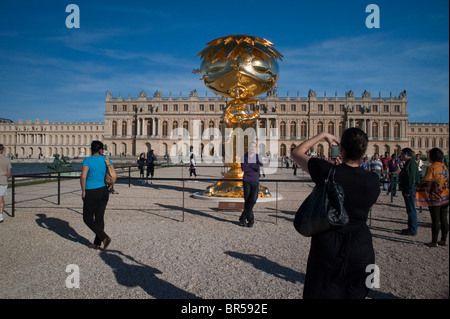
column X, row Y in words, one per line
column 59, row 188
column 13, row 197
column 183, row 202
column 276, row 204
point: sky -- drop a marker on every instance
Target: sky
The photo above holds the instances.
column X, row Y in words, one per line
column 49, row 71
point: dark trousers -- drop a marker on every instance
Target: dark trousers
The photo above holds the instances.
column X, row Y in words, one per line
column 410, row 203
column 94, row 205
column 439, row 222
column 251, row 190
column 150, row 170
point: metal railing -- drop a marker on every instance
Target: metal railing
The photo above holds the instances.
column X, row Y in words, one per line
column 59, row 176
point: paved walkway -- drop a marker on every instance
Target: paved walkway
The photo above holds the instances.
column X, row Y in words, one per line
column 167, row 244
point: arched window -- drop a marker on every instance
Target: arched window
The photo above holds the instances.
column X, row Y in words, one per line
column 175, row 128
column 319, row 127
column 202, row 128
column 385, row 129
column 293, row 129
column 185, row 128
column 282, row 129
column 164, row 128
column 375, row 130
column 331, row 127
column 149, row 127
column 282, row 150
column 124, row 128
column 396, row 130
column 303, row 129
column 114, row 128
column 211, row 129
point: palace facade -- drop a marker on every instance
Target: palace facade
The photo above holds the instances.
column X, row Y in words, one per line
column 178, row 125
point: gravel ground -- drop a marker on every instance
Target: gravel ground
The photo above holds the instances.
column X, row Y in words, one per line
column 157, row 251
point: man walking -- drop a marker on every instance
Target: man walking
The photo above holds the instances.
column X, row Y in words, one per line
column 409, row 179
column 5, row 173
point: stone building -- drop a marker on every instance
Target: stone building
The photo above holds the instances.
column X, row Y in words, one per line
column 285, row 122
column 43, row 139
column 177, row 125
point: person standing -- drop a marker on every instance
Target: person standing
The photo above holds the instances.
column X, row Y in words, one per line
column 433, row 192
column 150, row 164
column 409, row 179
column 141, row 164
column 337, row 261
column 5, row 174
column 420, row 165
column 250, row 165
column 192, row 166
column 95, row 195
column 375, row 165
column 393, row 171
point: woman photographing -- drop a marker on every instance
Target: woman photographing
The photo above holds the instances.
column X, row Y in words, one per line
column 338, row 258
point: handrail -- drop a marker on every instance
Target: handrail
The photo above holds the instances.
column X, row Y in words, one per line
column 129, row 178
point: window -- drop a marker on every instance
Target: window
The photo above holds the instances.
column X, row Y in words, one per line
column 319, row 127
column 293, row 108
column 283, row 150
column 201, row 107
column 320, row 107
column 114, row 108
column 133, row 128
column 282, row 129
column 303, row 107
column 375, row 130
column 221, row 107
column 149, row 128
column 134, row 108
column 185, row 128
column 375, row 108
column 124, row 108
column 211, row 107
column 175, row 107
column 303, row 131
column 211, row 128
column 396, row 130
column 202, row 127
column 385, row 129
column 396, row 108
column 175, row 128
column 331, row 127
column 114, row 128
column 164, row 128
column 186, row 107
column 293, row 129
column 331, row 108
column 283, row 107
column 165, row 107
column 124, row 128
column 386, row 108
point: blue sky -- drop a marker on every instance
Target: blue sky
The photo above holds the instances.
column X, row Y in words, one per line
column 48, row 71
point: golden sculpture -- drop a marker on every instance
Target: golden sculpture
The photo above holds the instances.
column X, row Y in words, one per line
column 240, row 67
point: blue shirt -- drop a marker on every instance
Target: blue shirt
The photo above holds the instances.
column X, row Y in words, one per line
column 250, row 167
column 97, row 171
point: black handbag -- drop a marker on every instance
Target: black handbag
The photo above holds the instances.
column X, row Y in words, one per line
column 323, row 209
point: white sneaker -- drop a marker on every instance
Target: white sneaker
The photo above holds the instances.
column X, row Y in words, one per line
column 1, row 218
